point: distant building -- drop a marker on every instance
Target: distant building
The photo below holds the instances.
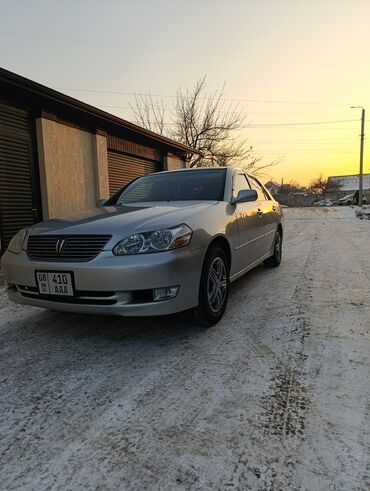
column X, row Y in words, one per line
column 273, row 187
column 350, row 183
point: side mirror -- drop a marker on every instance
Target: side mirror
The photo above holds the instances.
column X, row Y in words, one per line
column 244, row 196
column 101, row 202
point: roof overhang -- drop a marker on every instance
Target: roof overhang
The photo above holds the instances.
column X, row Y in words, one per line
column 53, row 101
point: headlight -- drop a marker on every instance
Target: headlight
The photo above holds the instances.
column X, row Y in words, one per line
column 15, row 245
column 155, row 241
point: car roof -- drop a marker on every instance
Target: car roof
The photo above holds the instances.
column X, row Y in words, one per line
column 187, row 169
column 213, row 168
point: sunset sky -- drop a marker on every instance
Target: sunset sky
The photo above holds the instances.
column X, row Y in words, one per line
column 285, row 62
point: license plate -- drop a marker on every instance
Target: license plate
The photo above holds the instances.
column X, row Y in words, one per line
column 55, row 283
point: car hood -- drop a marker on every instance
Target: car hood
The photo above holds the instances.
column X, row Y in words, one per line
column 124, row 219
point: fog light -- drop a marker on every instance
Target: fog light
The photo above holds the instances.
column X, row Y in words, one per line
column 160, row 294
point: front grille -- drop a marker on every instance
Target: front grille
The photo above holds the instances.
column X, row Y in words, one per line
column 62, row 247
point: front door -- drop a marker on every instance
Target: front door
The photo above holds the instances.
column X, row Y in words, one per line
column 249, row 227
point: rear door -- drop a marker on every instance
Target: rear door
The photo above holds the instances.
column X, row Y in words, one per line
column 266, row 211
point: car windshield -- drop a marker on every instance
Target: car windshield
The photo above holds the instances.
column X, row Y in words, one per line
column 197, row 185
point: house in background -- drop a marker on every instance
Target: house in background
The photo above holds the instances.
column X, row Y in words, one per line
column 59, row 155
column 350, row 184
column 273, row 187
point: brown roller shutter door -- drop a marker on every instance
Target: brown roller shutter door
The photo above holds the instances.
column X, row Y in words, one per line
column 19, row 186
column 124, row 168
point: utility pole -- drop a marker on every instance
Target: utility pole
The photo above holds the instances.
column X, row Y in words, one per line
column 360, row 181
column 362, row 141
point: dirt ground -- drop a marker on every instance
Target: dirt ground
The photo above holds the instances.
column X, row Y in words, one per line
column 275, row 397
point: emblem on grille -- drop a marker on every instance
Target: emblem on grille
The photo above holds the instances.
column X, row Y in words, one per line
column 59, row 246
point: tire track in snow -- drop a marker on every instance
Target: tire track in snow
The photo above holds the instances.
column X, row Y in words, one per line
column 286, row 402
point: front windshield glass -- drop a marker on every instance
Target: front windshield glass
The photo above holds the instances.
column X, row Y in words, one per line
column 201, row 185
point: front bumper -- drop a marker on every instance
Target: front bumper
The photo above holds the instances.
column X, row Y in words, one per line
column 108, row 283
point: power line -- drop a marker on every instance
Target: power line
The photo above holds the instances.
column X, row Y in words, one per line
column 171, row 96
column 291, row 144
column 309, row 149
column 166, row 109
column 304, row 152
column 318, row 141
column 307, row 153
column 270, row 125
column 303, row 128
column 301, row 124
column 169, row 50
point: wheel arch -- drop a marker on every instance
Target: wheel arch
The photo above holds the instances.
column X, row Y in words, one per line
column 221, row 241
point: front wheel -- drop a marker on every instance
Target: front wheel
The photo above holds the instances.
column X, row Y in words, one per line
column 213, row 288
column 275, row 260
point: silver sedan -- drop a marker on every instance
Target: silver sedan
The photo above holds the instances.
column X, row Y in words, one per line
column 167, row 242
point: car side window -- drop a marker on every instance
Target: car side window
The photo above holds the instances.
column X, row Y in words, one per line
column 240, row 183
column 261, row 196
column 265, row 191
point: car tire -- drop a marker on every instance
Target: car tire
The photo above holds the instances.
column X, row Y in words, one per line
column 275, row 260
column 213, row 288
column 349, row 203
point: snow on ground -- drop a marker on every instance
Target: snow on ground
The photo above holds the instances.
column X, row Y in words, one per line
column 274, row 397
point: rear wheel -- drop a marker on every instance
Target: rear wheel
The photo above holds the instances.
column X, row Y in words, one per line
column 213, row 288
column 275, row 260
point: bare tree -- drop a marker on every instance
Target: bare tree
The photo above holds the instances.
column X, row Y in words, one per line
column 333, row 185
column 150, row 114
column 294, row 185
column 291, row 187
column 206, row 122
column 320, row 185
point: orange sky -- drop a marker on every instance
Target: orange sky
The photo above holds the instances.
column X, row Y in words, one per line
column 310, row 60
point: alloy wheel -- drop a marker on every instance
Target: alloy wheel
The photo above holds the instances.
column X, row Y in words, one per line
column 217, row 284
column 278, row 246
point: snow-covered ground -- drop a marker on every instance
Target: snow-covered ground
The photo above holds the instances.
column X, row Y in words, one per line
column 273, row 398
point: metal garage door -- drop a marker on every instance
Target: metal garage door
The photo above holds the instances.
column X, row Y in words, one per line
column 19, row 195
column 124, row 168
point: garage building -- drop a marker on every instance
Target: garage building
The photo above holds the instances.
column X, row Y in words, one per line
column 59, row 155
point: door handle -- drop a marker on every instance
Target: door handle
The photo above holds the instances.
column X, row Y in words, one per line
column 260, row 212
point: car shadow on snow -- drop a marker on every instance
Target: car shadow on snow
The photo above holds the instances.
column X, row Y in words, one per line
column 70, row 326
column 66, row 326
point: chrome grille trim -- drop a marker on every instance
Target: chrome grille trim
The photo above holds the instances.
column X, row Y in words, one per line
column 65, row 247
